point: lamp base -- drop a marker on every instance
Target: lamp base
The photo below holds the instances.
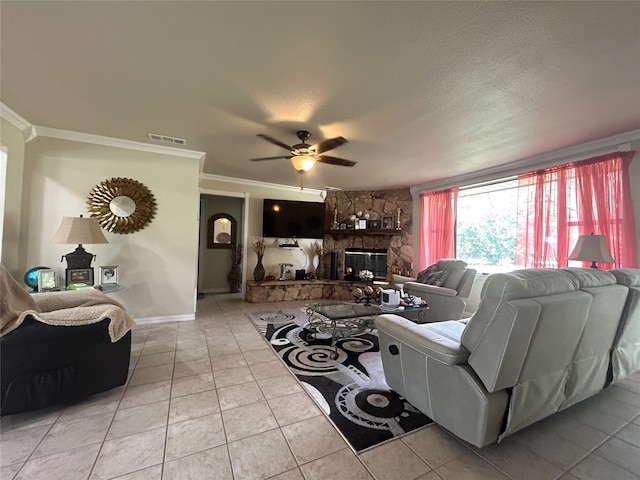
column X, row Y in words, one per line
column 79, row 258
column 593, row 264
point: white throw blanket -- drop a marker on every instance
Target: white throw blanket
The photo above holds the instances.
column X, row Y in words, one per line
column 69, row 308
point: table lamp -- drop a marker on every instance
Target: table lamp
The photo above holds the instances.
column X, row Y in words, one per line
column 592, row 248
column 79, row 230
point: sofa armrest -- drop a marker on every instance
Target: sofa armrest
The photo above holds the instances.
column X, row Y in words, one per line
column 437, row 340
column 422, row 289
column 397, row 281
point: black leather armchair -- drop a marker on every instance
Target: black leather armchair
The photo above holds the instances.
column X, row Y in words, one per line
column 42, row 365
column 59, row 347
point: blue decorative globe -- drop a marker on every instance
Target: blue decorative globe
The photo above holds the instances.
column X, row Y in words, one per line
column 31, row 277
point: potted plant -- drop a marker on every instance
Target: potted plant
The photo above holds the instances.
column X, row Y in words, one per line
column 259, row 247
column 235, row 275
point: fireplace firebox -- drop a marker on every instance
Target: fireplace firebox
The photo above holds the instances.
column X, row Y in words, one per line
column 372, row 259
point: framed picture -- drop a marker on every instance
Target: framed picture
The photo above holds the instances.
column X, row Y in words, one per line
column 374, row 223
column 362, row 224
column 108, row 275
column 387, row 222
column 80, row 275
column 47, row 280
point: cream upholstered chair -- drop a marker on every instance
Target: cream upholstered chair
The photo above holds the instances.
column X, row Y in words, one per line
column 446, row 298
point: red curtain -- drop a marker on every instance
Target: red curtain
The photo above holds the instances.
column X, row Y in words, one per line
column 557, row 205
column 438, row 226
column 604, row 204
column 542, row 239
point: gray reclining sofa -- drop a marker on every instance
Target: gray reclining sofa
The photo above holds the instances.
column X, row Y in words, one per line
column 540, row 341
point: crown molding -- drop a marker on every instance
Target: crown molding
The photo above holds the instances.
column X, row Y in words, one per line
column 17, row 121
column 256, row 183
column 30, row 131
column 618, row 142
column 117, row 143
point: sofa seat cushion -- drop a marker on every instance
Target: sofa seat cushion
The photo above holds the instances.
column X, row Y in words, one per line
column 440, row 340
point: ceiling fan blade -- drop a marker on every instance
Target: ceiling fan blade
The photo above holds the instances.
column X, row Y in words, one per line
column 269, row 158
column 330, row 144
column 336, row 161
column 274, row 141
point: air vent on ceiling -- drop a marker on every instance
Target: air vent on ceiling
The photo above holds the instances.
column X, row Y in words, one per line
column 166, row 139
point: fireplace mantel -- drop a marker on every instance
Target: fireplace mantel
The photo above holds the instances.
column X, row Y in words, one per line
column 364, row 231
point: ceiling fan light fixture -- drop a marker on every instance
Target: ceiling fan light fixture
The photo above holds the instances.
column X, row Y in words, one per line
column 303, row 163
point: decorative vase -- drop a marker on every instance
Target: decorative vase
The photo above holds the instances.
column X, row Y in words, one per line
column 319, row 268
column 234, row 278
column 258, row 272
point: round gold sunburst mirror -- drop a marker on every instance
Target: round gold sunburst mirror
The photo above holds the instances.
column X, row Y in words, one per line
column 121, row 205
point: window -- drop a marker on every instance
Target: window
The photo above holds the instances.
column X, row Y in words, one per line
column 535, row 220
column 486, row 226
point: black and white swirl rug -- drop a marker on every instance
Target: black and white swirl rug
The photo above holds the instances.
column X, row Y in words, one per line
column 350, row 389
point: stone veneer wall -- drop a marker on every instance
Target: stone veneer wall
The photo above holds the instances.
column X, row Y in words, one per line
column 376, row 203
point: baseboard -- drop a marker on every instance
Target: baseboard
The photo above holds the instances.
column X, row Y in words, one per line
column 214, row 290
column 165, row 319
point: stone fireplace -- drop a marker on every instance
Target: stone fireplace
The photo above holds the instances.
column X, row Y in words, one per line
column 397, row 243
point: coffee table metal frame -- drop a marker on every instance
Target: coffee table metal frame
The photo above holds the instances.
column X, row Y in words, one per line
column 344, row 319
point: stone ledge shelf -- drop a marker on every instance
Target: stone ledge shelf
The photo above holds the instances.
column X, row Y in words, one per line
column 284, row 290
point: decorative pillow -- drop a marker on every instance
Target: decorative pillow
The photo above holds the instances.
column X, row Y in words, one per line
column 432, row 276
column 437, row 278
column 422, row 276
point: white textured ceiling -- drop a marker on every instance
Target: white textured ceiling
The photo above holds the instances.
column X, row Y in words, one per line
column 422, row 90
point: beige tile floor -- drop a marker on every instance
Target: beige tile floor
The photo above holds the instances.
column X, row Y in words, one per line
column 209, row 399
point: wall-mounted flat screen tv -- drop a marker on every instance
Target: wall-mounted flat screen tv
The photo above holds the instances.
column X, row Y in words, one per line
column 292, row 219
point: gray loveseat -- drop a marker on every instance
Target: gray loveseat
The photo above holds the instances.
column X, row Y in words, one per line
column 540, row 341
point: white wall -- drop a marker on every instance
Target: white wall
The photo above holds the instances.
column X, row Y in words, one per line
column 300, row 258
column 12, row 139
column 157, row 265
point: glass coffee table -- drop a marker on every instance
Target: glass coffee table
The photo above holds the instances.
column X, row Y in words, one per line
column 344, row 319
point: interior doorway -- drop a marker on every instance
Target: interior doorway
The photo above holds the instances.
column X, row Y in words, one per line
column 218, row 250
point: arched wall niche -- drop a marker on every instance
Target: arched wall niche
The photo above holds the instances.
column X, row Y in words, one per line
column 222, row 231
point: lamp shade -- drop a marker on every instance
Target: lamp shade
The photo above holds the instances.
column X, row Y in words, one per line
column 303, row 163
column 79, row 230
column 592, row 248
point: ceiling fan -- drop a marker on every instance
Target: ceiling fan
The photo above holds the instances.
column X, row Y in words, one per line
column 304, row 156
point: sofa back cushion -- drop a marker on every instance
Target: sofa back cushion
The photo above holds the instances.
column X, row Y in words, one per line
column 590, row 365
column 625, row 355
column 519, row 284
column 524, row 336
column 456, row 269
column 529, row 347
